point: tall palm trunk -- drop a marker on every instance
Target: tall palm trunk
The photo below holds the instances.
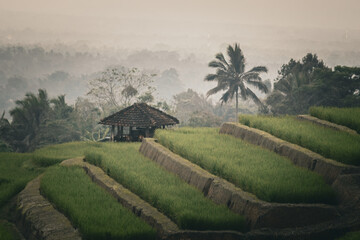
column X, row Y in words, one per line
column 237, row 104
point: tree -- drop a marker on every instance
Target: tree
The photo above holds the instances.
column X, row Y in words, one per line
column 38, row 121
column 118, row 87
column 27, row 117
column 232, row 78
column 306, row 83
column 188, row 102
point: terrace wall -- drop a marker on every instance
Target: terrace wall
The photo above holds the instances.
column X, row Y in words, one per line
column 300, row 156
column 38, row 219
column 326, row 123
column 259, row 213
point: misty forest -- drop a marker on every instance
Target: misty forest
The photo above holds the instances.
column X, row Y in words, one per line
column 193, row 121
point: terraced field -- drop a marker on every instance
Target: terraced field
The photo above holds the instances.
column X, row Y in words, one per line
column 15, row 171
column 349, row 117
column 336, row 145
column 182, row 203
column 269, row 176
column 97, row 214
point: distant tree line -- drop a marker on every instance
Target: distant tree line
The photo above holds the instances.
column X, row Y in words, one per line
column 309, row 82
column 299, row 85
column 38, row 120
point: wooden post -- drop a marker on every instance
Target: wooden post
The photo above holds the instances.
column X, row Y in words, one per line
column 121, row 131
column 130, row 133
column 112, row 133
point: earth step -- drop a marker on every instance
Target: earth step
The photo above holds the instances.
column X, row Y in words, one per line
column 144, row 210
column 38, row 219
column 327, row 124
column 300, row 156
column 259, row 213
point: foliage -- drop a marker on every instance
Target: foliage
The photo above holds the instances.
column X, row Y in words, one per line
column 340, row 146
column 15, row 172
column 306, row 83
column 193, row 109
column 184, row 204
column 7, row 232
column 118, row 87
column 204, row 119
column 231, row 77
column 269, row 176
column 38, row 121
column 96, row 213
column 351, row 236
column 349, row 117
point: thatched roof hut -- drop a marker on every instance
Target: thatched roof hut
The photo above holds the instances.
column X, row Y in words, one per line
column 137, row 121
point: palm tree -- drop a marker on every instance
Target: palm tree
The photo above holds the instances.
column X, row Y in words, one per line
column 231, row 77
column 28, row 115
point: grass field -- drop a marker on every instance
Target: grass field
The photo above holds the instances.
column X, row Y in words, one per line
column 96, row 213
column 54, row 154
column 15, row 171
column 340, row 146
column 269, row 176
column 351, row 236
column 182, row 203
column 349, row 117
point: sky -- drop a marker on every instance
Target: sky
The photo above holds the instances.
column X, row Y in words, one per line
column 270, row 32
column 304, row 13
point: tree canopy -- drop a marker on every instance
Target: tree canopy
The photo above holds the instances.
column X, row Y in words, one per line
column 309, row 82
column 232, row 78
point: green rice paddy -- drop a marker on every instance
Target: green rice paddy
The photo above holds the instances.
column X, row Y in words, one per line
column 349, row 117
column 337, row 145
column 182, row 203
column 90, row 208
column 269, row 176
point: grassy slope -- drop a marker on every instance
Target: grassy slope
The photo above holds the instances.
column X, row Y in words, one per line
column 54, row 154
column 15, row 172
column 97, row 214
column 351, row 236
column 184, row 204
column 269, row 176
column 349, row 117
column 337, row 145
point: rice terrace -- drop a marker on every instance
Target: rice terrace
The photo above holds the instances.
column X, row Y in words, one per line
column 179, row 120
column 235, row 182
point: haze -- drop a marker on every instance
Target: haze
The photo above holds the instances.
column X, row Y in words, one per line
column 139, row 33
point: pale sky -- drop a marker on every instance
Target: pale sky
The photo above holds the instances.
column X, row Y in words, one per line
column 344, row 14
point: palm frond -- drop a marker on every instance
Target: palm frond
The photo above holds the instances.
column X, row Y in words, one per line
column 216, row 64
column 250, row 76
column 225, row 97
column 242, row 91
column 210, row 77
column 216, row 89
column 259, row 69
column 252, row 95
column 221, row 58
column 260, row 85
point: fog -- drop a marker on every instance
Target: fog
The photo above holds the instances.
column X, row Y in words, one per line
column 182, row 35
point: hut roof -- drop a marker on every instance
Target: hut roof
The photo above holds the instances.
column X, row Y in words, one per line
column 140, row 115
